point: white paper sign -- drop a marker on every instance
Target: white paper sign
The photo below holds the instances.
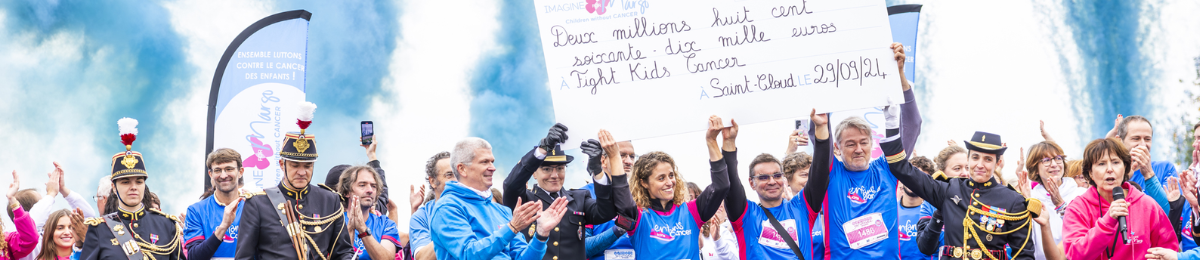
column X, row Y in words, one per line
column 647, row 68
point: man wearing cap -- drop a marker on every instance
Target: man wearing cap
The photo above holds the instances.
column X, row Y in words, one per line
column 982, row 216
column 294, row 219
column 547, row 163
column 135, row 231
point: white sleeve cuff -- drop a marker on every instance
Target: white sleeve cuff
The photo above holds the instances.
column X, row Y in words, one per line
column 603, row 179
column 539, row 154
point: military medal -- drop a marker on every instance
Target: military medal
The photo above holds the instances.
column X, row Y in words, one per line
column 153, row 238
column 580, row 233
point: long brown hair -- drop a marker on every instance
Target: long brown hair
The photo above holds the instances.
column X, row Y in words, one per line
column 49, row 248
column 641, row 172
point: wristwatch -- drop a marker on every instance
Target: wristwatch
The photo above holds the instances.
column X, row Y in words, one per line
column 365, row 233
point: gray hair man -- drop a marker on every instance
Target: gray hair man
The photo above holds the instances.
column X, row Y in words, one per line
column 470, row 225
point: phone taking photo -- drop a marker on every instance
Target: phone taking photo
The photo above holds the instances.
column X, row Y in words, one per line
column 368, row 132
column 802, row 124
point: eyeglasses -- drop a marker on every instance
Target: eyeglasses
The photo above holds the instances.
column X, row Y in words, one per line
column 765, row 177
column 1057, row 159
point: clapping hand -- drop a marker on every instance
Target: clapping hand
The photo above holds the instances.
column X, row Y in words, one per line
column 1173, row 190
column 1023, row 177
column 548, row 219
column 78, row 227
column 524, row 214
column 227, row 217
column 416, row 197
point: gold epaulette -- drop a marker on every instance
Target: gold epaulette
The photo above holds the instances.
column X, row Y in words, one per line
column 252, row 194
column 169, row 216
column 93, row 221
column 327, row 187
column 1034, row 206
column 941, row 176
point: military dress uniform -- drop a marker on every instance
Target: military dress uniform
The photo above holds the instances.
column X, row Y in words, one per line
column 282, row 222
column 141, row 234
column 566, row 241
column 980, row 218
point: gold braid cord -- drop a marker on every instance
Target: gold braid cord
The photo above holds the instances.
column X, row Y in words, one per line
column 326, row 222
column 970, row 227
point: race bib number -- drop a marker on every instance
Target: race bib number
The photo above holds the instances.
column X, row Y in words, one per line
column 771, row 238
column 619, row 254
column 866, row 230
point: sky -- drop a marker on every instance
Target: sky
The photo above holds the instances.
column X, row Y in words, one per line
column 430, row 73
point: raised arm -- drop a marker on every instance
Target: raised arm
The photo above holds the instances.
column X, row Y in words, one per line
column 710, row 199
column 910, row 115
column 514, row 184
column 610, row 191
column 922, row 184
column 735, row 199
column 818, row 173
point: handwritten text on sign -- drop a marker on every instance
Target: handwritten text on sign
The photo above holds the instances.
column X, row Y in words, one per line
column 647, row 68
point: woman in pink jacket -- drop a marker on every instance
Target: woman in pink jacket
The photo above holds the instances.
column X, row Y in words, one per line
column 17, row 244
column 1091, row 224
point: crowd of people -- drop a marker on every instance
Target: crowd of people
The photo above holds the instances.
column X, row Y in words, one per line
column 836, row 203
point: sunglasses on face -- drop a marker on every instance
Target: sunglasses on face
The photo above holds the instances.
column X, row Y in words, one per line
column 766, row 177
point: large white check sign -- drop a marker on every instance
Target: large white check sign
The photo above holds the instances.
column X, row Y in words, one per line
column 647, row 68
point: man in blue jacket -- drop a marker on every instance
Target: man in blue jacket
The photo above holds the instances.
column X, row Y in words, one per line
column 469, row 225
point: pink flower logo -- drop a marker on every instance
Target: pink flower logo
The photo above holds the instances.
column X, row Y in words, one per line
column 598, row 6
column 261, row 154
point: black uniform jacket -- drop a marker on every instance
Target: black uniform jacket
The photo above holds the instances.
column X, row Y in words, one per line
column 262, row 236
column 566, row 242
column 952, row 198
column 147, row 225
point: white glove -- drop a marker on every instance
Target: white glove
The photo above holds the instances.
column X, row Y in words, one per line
column 891, row 113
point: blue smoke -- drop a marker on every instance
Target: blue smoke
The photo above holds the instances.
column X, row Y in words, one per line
column 132, row 65
column 511, row 107
column 350, row 47
column 1116, row 71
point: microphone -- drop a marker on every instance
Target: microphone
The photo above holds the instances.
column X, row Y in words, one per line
column 1118, row 193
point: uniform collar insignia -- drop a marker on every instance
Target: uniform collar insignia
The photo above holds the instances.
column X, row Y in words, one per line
column 956, row 199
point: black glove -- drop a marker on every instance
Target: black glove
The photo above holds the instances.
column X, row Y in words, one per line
column 557, row 135
column 592, row 149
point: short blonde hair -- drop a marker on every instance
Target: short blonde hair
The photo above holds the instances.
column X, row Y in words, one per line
column 644, row 167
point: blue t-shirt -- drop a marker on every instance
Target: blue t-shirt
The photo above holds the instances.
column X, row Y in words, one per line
column 1185, row 219
column 1162, row 171
column 758, row 237
column 860, row 213
column 203, row 218
column 418, row 227
column 382, row 228
column 909, row 232
column 668, row 235
column 622, row 247
column 818, row 238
